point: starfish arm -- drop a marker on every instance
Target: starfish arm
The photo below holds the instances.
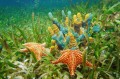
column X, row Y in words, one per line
column 72, row 70
column 55, row 62
column 44, row 54
column 89, row 64
column 24, row 50
column 76, row 60
column 37, row 55
column 72, row 64
column 59, row 60
column 62, row 59
column 79, row 57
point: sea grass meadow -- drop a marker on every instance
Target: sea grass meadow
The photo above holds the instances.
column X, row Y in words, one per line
column 59, row 39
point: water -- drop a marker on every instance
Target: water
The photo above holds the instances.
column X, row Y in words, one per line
column 43, row 4
column 14, row 10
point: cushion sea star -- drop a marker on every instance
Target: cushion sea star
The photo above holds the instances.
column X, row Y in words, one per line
column 36, row 48
column 72, row 58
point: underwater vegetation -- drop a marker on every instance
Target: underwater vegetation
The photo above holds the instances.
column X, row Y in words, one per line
column 69, row 35
column 79, row 42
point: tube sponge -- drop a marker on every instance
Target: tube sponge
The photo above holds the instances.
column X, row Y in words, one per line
column 70, row 15
column 50, row 30
column 63, row 16
column 96, row 28
column 50, row 16
column 79, row 16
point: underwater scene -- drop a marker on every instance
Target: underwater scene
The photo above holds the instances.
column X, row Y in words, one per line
column 59, row 39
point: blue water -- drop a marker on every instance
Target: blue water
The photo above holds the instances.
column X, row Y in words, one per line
column 13, row 11
column 21, row 8
column 43, row 4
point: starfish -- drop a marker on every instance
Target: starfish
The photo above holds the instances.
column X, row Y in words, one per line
column 36, row 48
column 72, row 58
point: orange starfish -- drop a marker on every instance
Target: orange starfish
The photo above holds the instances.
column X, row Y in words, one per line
column 72, row 58
column 36, row 48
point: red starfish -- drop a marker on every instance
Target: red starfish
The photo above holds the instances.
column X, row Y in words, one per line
column 72, row 58
column 36, row 48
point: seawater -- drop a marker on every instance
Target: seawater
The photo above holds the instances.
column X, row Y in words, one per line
column 43, row 5
column 13, row 11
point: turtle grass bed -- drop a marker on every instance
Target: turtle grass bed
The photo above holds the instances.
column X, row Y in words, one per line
column 32, row 26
